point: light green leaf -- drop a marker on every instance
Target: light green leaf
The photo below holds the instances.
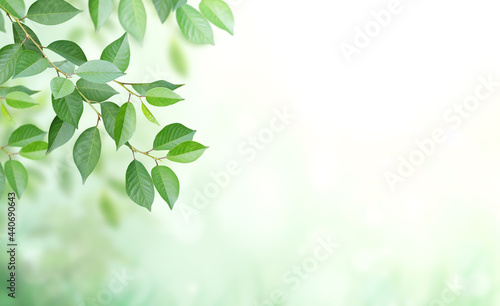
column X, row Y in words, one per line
column 178, row 58
column 60, row 132
column 139, row 185
column 172, row 135
column 99, row 71
column 163, row 8
column 132, row 15
column 100, row 11
column 186, row 152
column 142, row 88
column 65, row 66
column 5, row 113
column 125, row 124
column 61, row 87
column 29, row 63
column 19, row 99
column 161, row 96
column 17, row 176
column 69, row 50
column 87, row 152
column 109, row 111
column 35, row 150
column 20, row 36
column 167, row 184
column 14, row 7
column 2, row 179
column 109, row 211
column 118, row 53
column 25, row 135
column 4, row 91
column 95, row 91
column 8, row 57
column 218, row 13
column 194, row 26
column 51, row 12
column 69, row 109
column 177, row 3
column 147, row 113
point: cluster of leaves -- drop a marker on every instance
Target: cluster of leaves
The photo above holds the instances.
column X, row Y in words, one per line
column 26, row 56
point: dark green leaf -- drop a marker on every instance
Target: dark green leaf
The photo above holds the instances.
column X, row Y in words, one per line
column 69, row 108
column 2, row 179
column 109, row 111
column 2, row 29
column 17, row 176
column 172, row 135
column 139, row 185
column 29, row 63
column 69, row 50
column 177, row 3
column 194, row 26
column 25, row 135
column 95, row 91
column 20, row 36
column 100, row 11
column 218, row 13
column 132, row 16
column 163, row 8
column 167, row 184
column 142, row 88
column 186, row 152
column 60, row 132
column 19, row 99
column 35, row 150
column 61, row 87
column 87, row 152
column 51, row 12
column 125, row 124
column 4, row 91
column 8, row 57
column 99, row 71
column 161, row 96
column 118, row 53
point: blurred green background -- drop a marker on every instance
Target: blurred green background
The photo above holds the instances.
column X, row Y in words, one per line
column 298, row 215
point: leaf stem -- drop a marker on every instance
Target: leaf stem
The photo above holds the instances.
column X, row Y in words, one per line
column 156, row 159
column 128, row 90
column 90, row 103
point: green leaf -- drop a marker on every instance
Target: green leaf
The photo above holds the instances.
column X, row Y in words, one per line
column 19, row 99
column 161, row 96
column 2, row 29
column 60, row 132
column 194, row 26
column 163, row 8
column 2, row 179
column 69, row 108
column 5, row 113
column 109, row 211
column 178, row 58
column 118, row 53
column 17, row 176
column 109, row 111
column 186, row 152
column 51, row 12
column 125, row 124
column 20, row 36
column 95, row 91
column 132, row 16
column 147, row 113
column 61, row 87
column 25, row 135
column 69, row 50
column 14, row 7
column 35, row 150
column 87, row 152
column 139, row 185
column 218, row 13
column 65, row 66
column 142, row 88
column 29, row 63
column 8, row 57
column 172, row 135
column 100, row 11
column 4, row 91
column 177, row 3
column 99, row 71
column 167, row 184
